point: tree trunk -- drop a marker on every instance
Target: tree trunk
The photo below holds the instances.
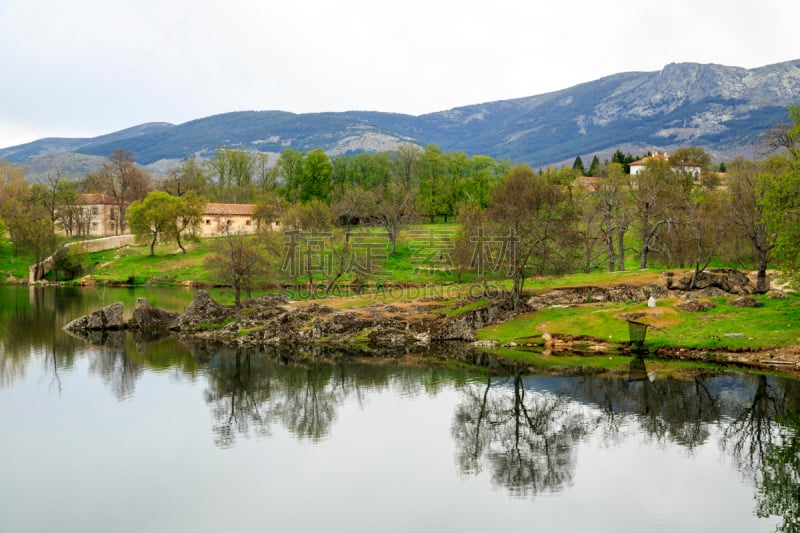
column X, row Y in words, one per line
column 762, row 283
column 621, row 250
column 610, row 251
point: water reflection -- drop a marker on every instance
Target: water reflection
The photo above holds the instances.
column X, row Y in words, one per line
column 249, row 391
column 526, row 432
column 523, row 432
column 525, row 438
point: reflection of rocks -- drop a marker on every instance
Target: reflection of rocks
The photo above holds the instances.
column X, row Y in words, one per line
column 107, row 318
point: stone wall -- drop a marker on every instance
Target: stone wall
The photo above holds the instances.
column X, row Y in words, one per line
column 92, row 245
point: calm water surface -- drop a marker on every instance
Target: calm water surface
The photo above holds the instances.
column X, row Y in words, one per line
column 135, row 435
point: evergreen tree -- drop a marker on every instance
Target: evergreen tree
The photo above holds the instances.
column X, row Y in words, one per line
column 578, row 165
column 594, row 167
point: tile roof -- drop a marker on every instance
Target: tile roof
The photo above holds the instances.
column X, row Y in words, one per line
column 95, row 198
column 229, row 209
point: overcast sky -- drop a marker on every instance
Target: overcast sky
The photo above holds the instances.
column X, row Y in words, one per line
column 88, row 67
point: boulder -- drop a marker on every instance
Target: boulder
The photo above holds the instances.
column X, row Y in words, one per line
column 203, row 309
column 147, row 317
column 106, row 318
column 695, row 306
column 745, row 301
column 730, row 280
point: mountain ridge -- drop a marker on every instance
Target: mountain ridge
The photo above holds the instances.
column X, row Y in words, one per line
column 721, row 108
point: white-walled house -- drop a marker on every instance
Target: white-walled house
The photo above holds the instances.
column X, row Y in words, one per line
column 637, row 167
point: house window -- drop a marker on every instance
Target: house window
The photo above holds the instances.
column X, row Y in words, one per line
column 94, row 211
column 113, row 215
column 208, row 222
column 247, row 223
column 94, row 225
column 113, row 226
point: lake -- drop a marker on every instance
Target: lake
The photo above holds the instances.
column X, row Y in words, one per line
column 136, row 435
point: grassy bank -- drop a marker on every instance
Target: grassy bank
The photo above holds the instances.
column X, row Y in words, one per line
column 412, row 275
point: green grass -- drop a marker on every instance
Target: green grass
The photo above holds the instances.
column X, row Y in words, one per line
column 776, row 324
column 11, row 262
column 135, row 264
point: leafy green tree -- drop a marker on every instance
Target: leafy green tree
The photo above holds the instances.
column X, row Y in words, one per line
column 485, row 174
column 317, row 176
column 186, row 222
column 152, row 217
column 782, row 201
column 167, row 217
column 433, row 188
column 189, row 177
column 290, row 165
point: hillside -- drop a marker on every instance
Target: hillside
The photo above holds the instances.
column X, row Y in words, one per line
column 723, row 109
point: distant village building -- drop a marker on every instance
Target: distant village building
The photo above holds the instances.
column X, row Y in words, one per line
column 637, row 167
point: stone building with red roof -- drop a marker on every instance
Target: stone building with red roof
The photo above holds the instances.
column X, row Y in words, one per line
column 238, row 218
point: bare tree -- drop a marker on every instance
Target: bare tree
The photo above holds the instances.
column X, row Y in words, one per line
column 537, row 218
column 747, row 185
column 121, row 179
column 394, row 208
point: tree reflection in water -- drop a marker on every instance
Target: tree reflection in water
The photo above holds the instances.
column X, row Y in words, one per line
column 764, row 439
column 249, row 391
column 526, row 438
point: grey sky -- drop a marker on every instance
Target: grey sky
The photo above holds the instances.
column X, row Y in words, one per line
column 88, row 67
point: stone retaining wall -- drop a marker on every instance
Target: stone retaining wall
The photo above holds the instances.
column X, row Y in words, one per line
column 92, row 245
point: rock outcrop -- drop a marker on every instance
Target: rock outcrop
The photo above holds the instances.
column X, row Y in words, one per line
column 147, row 317
column 109, row 317
column 590, row 294
column 203, row 310
column 729, row 280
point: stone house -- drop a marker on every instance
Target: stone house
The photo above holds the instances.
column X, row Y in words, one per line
column 238, row 218
column 97, row 215
column 93, row 215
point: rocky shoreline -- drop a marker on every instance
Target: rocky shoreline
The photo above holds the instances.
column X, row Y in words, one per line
column 417, row 325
